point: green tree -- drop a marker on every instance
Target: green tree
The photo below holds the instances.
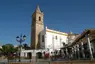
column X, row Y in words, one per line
column 0, row 52
column 8, row 50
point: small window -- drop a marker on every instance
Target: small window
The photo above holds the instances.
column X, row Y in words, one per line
column 56, row 37
column 42, row 38
column 39, row 18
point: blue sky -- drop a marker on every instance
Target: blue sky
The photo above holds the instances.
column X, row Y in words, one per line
column 62, row 15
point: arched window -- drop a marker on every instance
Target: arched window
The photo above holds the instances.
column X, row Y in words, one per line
column 39, row 18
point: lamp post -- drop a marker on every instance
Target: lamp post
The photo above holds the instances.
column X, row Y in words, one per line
column 20, row 39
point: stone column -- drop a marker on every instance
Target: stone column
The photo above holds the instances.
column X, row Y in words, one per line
column 82, row 49
column 89, row 45
column 66, row 52
column 63, row 54
column 75, row 51
column 72, row 52
column 78, row 51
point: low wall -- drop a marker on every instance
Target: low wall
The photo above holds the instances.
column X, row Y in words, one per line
column 21, row 63
column 75, row 62
column 60, row 62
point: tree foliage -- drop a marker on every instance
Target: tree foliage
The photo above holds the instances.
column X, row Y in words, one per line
column 25, row 46
column 8, row 49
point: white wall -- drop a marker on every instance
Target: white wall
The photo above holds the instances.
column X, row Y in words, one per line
column 33, row 52
column 51, row 42
column 54, row 41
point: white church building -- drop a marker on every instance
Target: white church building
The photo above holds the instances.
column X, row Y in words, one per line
column 50, row 40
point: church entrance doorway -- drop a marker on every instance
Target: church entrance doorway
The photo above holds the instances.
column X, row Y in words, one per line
column 39, row 55
column 29, row 55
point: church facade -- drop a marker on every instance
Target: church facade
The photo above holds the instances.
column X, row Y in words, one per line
column 45, row 38
column 52, row 39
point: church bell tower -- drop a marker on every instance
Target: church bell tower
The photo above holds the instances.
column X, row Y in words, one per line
column 37, row 27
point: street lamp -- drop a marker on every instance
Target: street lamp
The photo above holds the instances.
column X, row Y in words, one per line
column 20, row 39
